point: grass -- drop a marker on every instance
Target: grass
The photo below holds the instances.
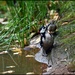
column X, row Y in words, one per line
column 21, row 17
column 66, row 30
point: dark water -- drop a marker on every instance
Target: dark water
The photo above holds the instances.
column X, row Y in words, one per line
column 11, row 63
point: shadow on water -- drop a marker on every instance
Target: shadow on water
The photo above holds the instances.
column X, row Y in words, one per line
column 23, row 63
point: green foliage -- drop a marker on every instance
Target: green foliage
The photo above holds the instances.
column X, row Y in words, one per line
column 22, row 16
column 66, row 30
column 3, row 8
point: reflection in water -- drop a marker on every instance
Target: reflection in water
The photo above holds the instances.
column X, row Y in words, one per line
column 20, row 64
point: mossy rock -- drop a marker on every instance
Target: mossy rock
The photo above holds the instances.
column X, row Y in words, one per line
column 71, row 67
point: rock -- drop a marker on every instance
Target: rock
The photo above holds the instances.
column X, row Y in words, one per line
column 71, row 67
column 28, row 48
column 32, row 34
column 31, row 47
column 35, row 40
column 43, row 59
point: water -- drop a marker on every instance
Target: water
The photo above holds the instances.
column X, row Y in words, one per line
column 20, row 63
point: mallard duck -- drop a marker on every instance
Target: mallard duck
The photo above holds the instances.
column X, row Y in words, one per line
column 52, row 26
column 46, row 41
column 42, row 32
column 47, row 44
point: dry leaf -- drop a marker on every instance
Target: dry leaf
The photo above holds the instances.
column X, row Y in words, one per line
column 65, row 49
column 29, row 55
column 10, row 71
column 30, row 73
column 10, row 66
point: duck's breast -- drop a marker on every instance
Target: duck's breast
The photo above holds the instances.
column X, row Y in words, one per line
column 48, row 41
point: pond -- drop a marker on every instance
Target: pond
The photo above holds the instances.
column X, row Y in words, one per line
column 23, row 62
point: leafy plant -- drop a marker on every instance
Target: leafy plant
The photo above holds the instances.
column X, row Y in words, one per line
column 22, row 16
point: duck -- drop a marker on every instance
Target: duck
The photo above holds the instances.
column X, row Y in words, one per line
column 42, row 31
column 52, row 26
column 47, row 41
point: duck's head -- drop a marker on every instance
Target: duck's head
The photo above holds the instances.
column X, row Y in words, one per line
column 52, row 27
